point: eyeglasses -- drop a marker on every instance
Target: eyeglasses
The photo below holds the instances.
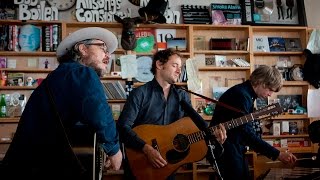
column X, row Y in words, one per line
column 103, row 46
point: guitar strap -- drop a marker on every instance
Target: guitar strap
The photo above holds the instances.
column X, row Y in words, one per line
column 82, row 169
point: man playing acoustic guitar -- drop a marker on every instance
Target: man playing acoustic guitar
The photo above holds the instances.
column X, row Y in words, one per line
column 262, row 83
column 157, row 102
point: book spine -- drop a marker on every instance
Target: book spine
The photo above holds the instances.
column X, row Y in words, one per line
column 55, row 32
column 15, row 44
column 51, row 37
column 47, row 38
column 10, row 43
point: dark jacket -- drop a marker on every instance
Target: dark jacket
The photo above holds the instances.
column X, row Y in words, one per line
column 39, row 149
column 232, row 163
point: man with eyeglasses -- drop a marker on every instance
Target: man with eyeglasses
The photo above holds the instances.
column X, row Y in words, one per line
column 72, row 95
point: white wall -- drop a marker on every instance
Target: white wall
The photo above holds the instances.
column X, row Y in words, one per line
column 312, row 8
column 313, row 12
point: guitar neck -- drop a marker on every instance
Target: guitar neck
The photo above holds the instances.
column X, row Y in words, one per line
column 266, row 112
column 200, row 135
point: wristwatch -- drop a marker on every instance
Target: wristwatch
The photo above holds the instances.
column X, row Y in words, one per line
column 62, row 4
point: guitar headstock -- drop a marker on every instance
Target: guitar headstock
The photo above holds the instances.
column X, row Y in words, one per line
column 268, row 111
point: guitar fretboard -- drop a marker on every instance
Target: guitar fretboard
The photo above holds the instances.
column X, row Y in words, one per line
column 200, row 135
column 269, row 111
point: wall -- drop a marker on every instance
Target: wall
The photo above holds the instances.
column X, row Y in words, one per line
column 311, row 7
column 312, row 12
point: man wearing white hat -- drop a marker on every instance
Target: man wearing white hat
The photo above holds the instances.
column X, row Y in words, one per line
column 71, row 95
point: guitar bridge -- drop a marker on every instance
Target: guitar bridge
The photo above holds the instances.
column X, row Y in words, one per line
column 155, row 144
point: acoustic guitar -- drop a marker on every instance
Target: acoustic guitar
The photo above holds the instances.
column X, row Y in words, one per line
column 88, row 150
column 181, row 142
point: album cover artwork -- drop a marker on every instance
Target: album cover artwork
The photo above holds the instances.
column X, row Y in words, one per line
column 276, row 44
column 290, row 101
column 293, row 44
column 275, row 12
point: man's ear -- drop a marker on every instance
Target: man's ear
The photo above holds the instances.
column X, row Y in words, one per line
column 158, row 64
column 82, row 49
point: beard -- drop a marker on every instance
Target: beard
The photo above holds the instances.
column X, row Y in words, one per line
column 100, row 70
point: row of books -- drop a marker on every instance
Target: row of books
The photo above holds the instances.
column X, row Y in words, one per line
column 290, row 142
column 40, row 63
column 275, row 44
column 29, row 37
column 114, row 90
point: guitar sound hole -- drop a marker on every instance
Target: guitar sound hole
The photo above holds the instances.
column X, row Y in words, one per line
column 181, row 143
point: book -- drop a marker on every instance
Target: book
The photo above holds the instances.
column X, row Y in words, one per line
column 260, row 44
column 11, row 63
column 220, row 60
column 116, row 110
column 276, row 129
column 3, row 62
column 284, row 127
column 218, row 17
column 15, row 79
column 284, row 62
column 261, row 102
column 32, row 63
column 46, row 63
column 293, row 44
column 225, row 13
column 290, row 102
column 222, row 44
column 162, row 36
column 242, row 44
column 293, row 127
column 276, row 44
column 146, row 40
column 177, row 44
column 199, row 42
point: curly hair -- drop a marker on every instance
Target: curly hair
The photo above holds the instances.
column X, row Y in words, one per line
column 163, row 56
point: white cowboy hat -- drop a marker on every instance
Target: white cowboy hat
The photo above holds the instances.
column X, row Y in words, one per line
column 88, row 33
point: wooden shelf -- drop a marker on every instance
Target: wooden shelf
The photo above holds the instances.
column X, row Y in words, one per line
column 35, row 22
column 283, row 53
column 221, row 27
column 137, row 84
column 295, row 83
column 37, row 53
column 10, row 120
column 285, row 136
column 291, row 116
column 221, row 52
column 297, row 149
column 29, row 70
column 213, row 68
column 111, row 78
column 277, row 28
column 17, row 87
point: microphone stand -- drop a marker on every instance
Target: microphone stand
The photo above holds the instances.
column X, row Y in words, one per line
column 196, row 116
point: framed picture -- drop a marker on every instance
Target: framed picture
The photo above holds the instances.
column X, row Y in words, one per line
column 273, row 12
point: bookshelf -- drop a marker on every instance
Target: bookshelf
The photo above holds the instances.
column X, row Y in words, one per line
column 205, row 72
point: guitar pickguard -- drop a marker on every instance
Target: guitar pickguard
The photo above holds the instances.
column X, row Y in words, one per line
column 174, row 156
column 181, row 149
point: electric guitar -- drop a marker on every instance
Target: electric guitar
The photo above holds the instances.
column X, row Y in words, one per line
column 181, row 142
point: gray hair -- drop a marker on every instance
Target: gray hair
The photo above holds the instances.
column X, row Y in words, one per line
column 74, row 53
